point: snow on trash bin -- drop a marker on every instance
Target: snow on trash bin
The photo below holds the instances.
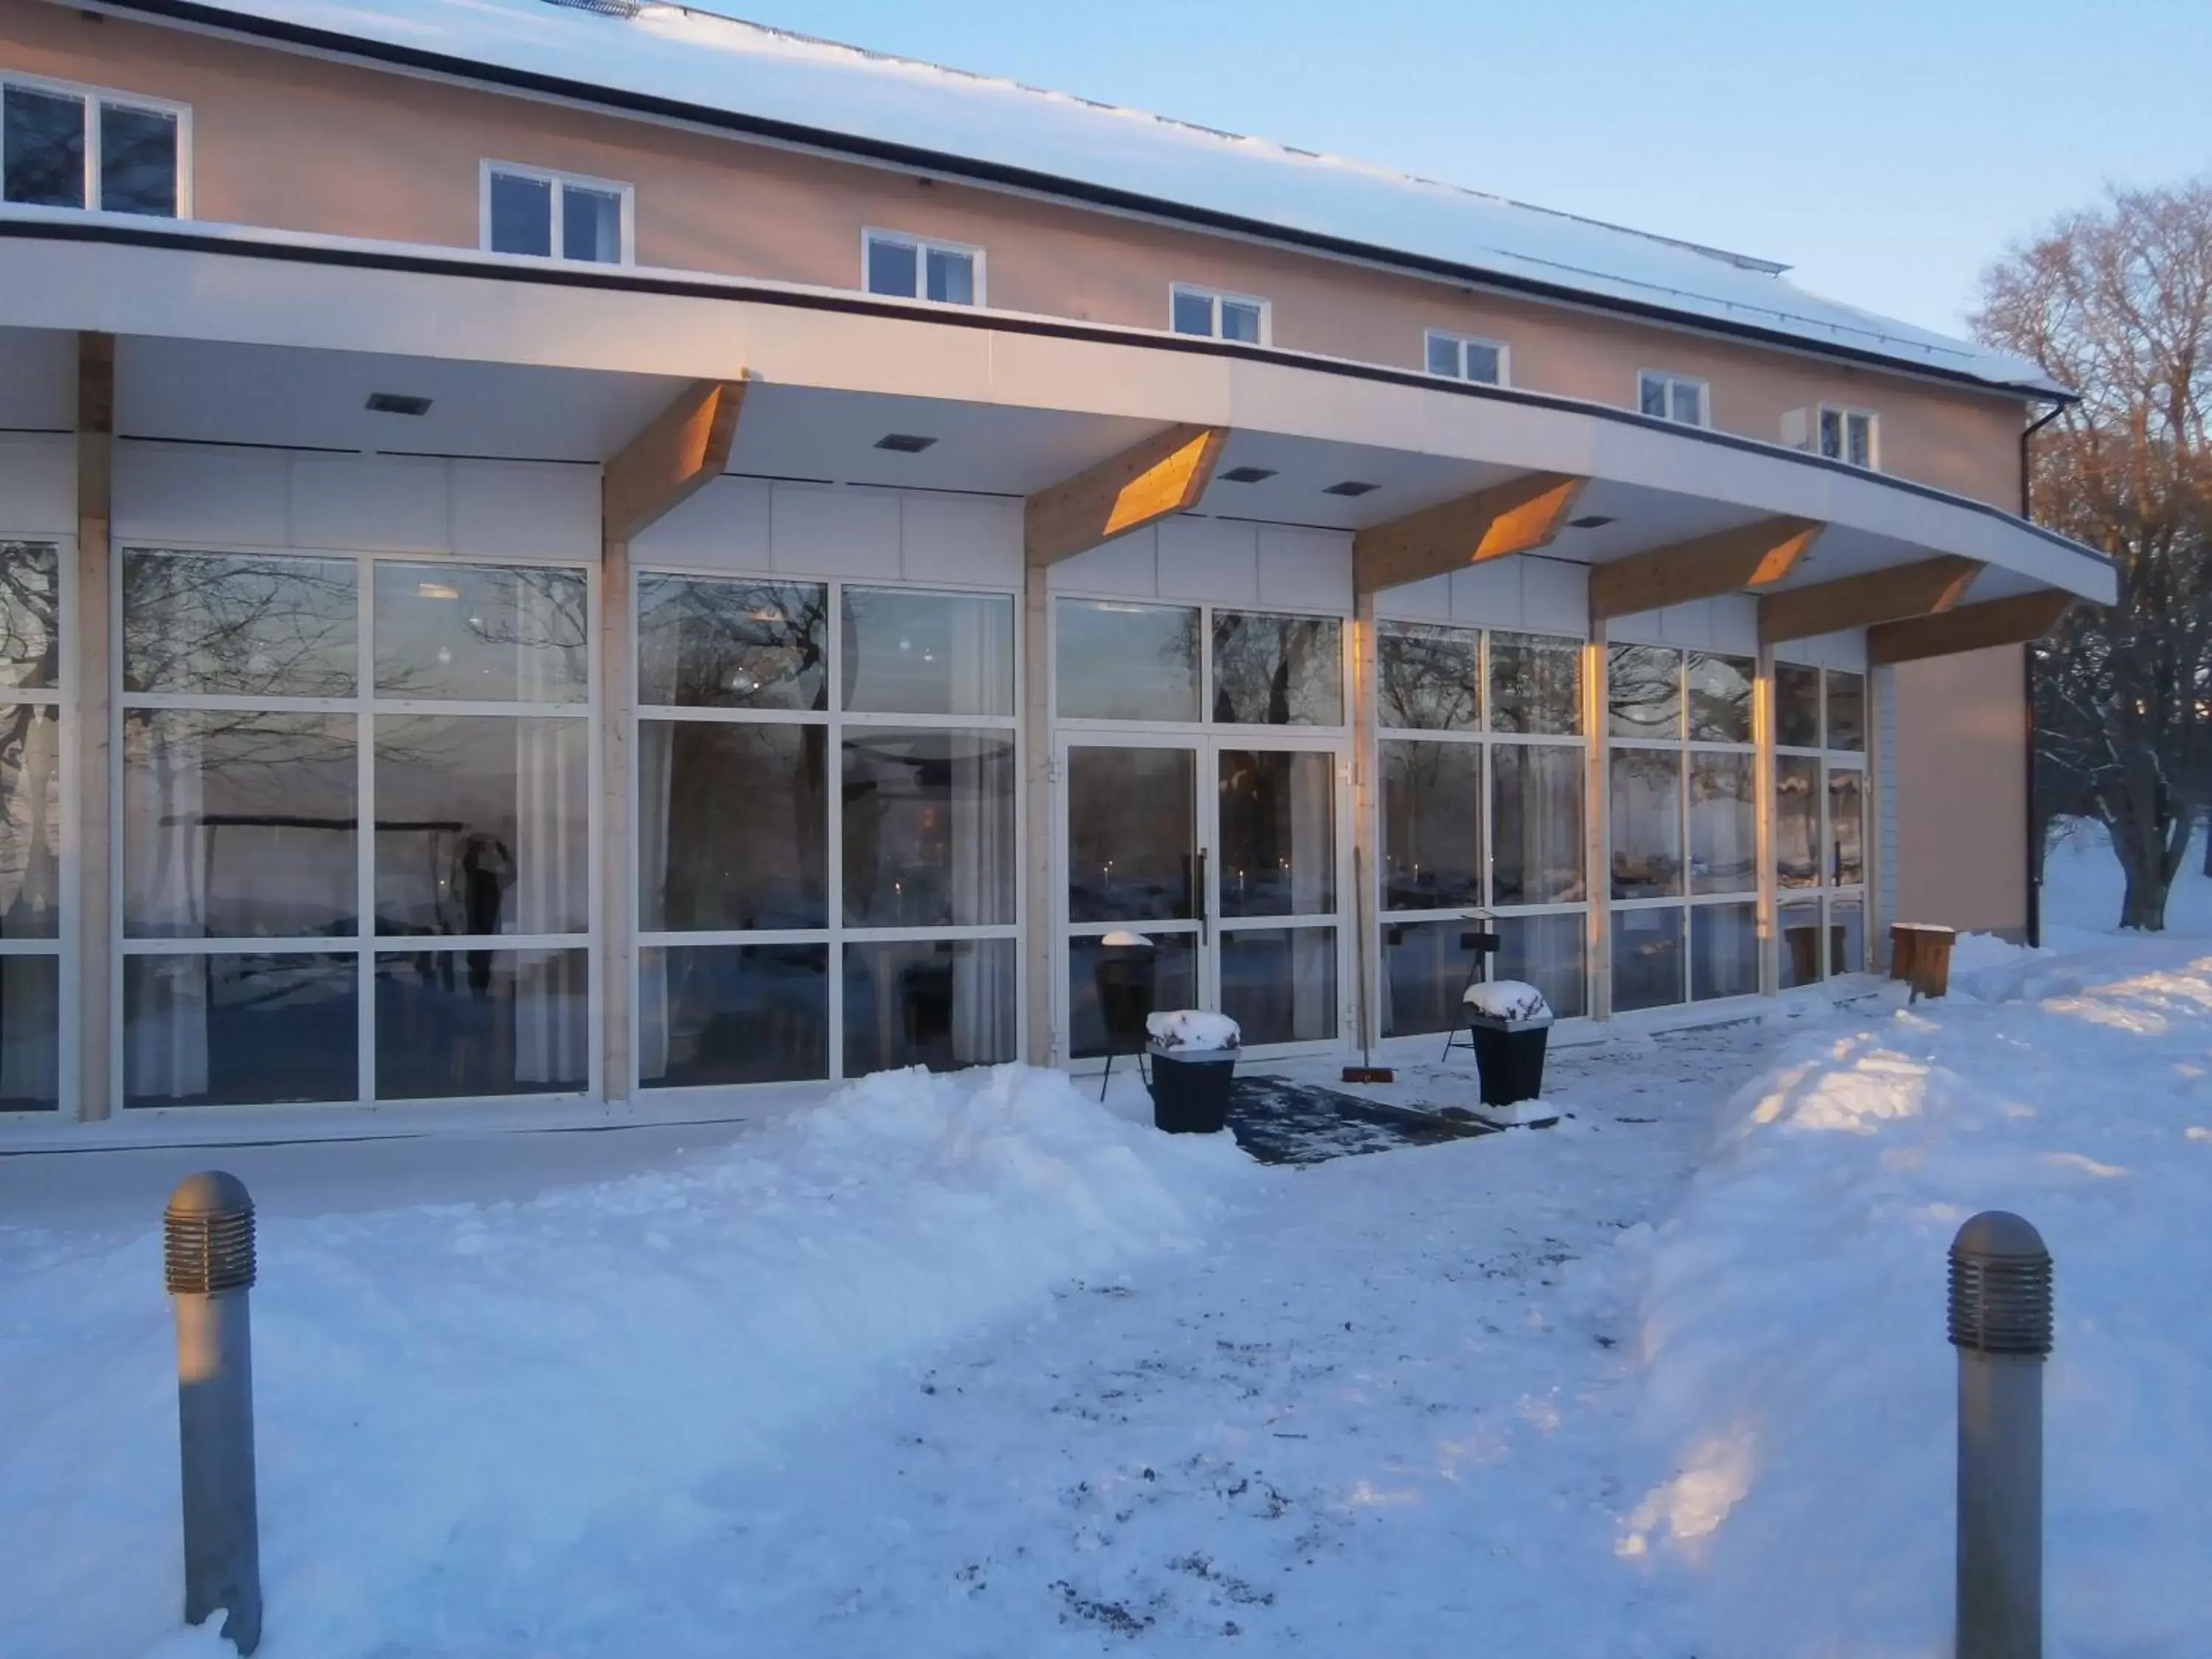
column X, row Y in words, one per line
column 1193, row 1029
column 1512, row 1001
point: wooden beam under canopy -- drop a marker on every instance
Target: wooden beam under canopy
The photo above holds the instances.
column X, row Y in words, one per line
column 1703, row 568
column 1150, row 480
column 1925, row 589
column 1517, row 516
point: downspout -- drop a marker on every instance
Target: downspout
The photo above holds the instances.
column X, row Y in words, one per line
column 2034, row 919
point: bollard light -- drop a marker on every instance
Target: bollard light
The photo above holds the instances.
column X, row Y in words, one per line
column 207, row 1262
column 2000, row 1322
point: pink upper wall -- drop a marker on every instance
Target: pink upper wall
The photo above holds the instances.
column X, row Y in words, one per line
column 297, row 142
column 1961, row 791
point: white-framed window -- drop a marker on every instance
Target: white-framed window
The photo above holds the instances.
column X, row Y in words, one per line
column 1466, row 357
column 1216, row 315
column 1821, row 806
column 1674, row 398
column 557, row 216
column 1848, row 435
column 69, row 146
column 919, row 268
column 37, row 856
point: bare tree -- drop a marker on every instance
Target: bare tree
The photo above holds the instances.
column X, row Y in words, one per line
column 2116, row 301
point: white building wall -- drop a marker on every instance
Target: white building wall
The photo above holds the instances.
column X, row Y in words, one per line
column 38, row 484
column 773, row 527
column 1229, row 561
column 1535, row 594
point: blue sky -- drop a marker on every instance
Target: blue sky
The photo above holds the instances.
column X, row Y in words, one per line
column 1887, row 150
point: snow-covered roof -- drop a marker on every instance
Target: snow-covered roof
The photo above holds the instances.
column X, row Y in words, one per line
column 679, row 60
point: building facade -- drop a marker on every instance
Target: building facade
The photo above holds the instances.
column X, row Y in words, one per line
column 596, row 553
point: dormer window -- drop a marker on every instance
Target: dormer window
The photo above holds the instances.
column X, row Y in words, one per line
column 557, row 215
column 66, row 146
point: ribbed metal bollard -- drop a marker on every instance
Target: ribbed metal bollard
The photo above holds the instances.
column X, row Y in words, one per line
column 207, row 1261
column 2001, row 1325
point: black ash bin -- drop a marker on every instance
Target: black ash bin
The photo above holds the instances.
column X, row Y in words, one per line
column 1190, row 1085
column 1508, row 1045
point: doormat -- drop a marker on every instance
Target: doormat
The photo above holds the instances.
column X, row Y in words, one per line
column 1279, row 1121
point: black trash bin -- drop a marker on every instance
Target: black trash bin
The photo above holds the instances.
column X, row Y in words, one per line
column 1509, row 1057
column 1190, row 1088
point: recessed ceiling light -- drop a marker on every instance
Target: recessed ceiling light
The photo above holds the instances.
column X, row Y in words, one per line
column 398, row 403
column 1349, row 487
column 904, row 443
column 1247, row 474
column 1591, row 521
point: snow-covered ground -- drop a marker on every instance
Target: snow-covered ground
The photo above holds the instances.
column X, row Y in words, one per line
column 2083, row 885
column 971, row 1367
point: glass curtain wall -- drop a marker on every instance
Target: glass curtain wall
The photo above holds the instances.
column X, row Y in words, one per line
column 31, row 737
column 1682, row 825
column 827, row 856
column 354, row 795
column 1481, row 757
column 1819, row 821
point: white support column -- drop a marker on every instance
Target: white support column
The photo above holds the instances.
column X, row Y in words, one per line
column 1038, row 921
column 1366, row 826
column 91, row 1043
column 617, row 883
column 1762, row 735
column 1597, row 838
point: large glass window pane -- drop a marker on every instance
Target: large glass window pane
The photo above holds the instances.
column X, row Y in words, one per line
column 1240, row 321
column 1797, row 944
column 1644, row 691
column 1652, row 395
column 1482, row 362
column 138, row 161
column 940, row 1003
column 1720, row 697
column 1797, row 706
column 1423, row 976
column 711, row 644
column 706, row 861
column 238, row 825
column 481, row 633
column 1175, row 985
column 239, row 626
column 30, row 615
column 1193, row 312
column 1536, row 824
column 906, row 653
column 1443, row 359
column 1278, row 984
column 1647, row 959
column 1535, row 685
column 1546, row 952
column 521, row 214
column 30, row 823
column 1646, row 823
column 239, row 1031
column 1431, row 825
column 1118, row 661
column 894, row 267
column 1428, row 679
column 727, row 1013
column 1276, row 670
column 1724, row 830
column 42, row 147
column 1132, row 834
column 929, row 828
column 1723, row 950
column 1796, row 820
column 951, row 276
column 454, row 1023
column 481, row 824
column 1846, row 937
column 1689, row 402
column 591, row 224
column 1846, row 848
column 1846, row 710
column 30, row 1034
column 1277, row 833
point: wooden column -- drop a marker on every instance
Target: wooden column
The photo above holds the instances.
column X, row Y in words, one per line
column 1366, row 827
column 1040, row 910
column 1597, row 878
column 91, row 1044
column 1762, row 813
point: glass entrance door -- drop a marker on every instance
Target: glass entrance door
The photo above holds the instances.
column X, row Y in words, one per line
column 1226, row 856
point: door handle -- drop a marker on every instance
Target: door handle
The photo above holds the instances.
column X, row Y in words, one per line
column 1204, row 910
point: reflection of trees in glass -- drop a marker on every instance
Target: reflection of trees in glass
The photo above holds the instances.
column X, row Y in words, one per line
column 1644, row 690
column 1276, row 670
column 1428, row 679
column 1535, row 684
column 30, row 615
column 732, row 644
column 491, row 631
column 1720, row 698
column 220, row 624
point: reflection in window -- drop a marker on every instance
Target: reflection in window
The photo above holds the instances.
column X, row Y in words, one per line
column 732, row 1013
column 1428, row 679
column 30, row 615
column 1846, row 937
column 1846, row 850
column 707, row 643
column 1536, row 824
column 1798, row 955
column 240, row 1030
column 1431, row 825
column 702, row 865
column 218, row 624
column 1647, row 958
column 1797, row 706
column 455, row 1023
column 238, row 825
column 928, row 828
column 1546, row 952
column 1723, row 950
column 1724, row 848
column 30, row 1034
column 1646, row 823
column 1276, row 670
column 1846, row 710
column 1720, row 697
column 481, row 825
column 1117, row 661
column 44, row 149
column 1796, row 820
column 1175, row 985
column 1535, row 685
column 481, row 633
column 940, row 1003
column 1644, row 691
column 929, row 654
column 1132, row 834
column 30, row 821
column 1278, row 814
column 1424, row 973
column 1278, row 984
